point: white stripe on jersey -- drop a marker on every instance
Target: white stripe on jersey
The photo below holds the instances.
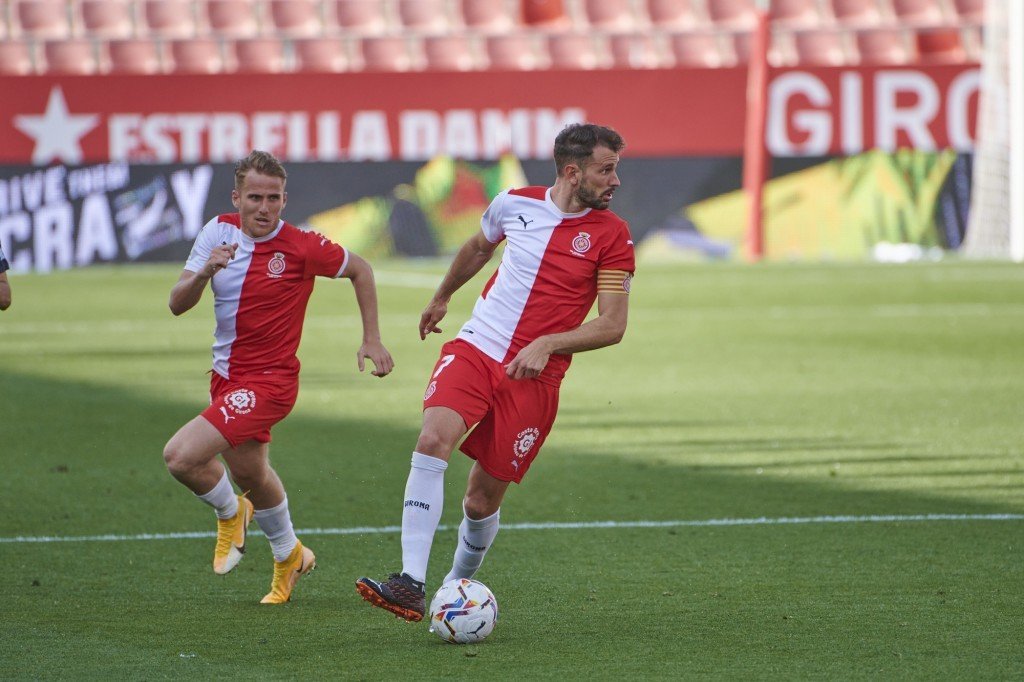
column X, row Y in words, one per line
column 527, row 225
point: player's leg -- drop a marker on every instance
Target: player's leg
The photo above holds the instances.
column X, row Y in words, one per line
column 250, row 467
column 481, row 511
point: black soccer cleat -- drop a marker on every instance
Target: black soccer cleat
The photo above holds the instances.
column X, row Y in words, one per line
column 399, row 594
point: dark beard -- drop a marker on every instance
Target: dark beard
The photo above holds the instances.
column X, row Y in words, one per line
column 589, row 198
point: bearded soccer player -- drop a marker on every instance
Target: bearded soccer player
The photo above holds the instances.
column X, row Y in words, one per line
column 563, row 250
column 261, row 271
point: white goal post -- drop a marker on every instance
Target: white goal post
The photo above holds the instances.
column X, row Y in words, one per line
column 996, row 225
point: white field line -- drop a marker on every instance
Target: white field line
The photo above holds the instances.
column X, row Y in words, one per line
column 552, row 525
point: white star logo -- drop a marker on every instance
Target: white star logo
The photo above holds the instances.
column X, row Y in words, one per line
column 57, row 131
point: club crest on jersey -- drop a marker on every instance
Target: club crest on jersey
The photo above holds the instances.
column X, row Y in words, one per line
column 430, row 390
column 525, row 441
column 275, row 266
column 240, row 401
column 581, row 244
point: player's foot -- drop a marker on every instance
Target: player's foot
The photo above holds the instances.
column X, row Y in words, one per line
column 286, row 573
column 399, row 594
column 231, row 538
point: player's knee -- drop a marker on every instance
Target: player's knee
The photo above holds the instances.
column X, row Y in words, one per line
column 478, row 505
column 176, row 458
column 432, row 442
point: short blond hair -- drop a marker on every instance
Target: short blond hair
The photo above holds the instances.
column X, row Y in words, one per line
column 263, row 163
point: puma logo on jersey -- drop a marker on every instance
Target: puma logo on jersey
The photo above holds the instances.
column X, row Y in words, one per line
column 227, row 416
column 524, row 221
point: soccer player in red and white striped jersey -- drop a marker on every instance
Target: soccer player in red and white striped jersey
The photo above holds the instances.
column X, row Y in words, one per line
column 500, row 376
column 261, row 271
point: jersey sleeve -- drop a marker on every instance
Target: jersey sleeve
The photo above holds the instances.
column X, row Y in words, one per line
column 617, row 265
column 324, row 258
column 203, row 246
column 492, row 221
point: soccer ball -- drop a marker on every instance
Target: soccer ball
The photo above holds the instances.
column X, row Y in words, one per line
column 463, row 611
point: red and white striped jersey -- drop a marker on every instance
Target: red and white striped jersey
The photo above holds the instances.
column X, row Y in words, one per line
column 260, row 297
column 548, row 277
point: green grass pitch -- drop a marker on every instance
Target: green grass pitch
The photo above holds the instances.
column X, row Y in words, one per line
column 739, row 393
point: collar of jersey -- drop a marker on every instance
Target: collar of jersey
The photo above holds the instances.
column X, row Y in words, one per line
column 266, row 237
column 558, row 211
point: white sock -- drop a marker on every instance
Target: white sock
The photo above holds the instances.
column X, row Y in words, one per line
column 222, row 498
column 475, row 538
column 276, row 524
column 424, row 496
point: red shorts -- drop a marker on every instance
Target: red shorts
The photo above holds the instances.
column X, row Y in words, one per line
column 512, row 417
column 246, row 408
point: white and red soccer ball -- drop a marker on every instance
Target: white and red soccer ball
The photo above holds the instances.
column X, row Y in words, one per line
column 463, row 611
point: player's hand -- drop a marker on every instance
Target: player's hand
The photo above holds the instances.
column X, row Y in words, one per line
column 219, row 259
column 432, row 314
column 378, row 355
column 529, row 362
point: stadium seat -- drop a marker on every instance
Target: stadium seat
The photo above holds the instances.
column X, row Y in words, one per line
column 386, row 53
column 575, row 51
column 780, row 48
column 260, row 55
column 107, row 18
column 943, row 45
column 489, row 16
column 611, row 15
column 197, row 55
column 232, row 18
column 885, row 46
column 75, row 57
column 800, row 13
column 41, row 19
column 545, row 14
column 732, row 14
column 452, row 52
column 324, row 54
column 362, row 17
column 169, row 18
column 295, row 18
column 514, row 52
column 425, row 16
column 821, row 47
column 857, row 12
column 701, row 50
column 135, row 55
column 972, row 11
column 16, row 58
column 674, row 14
column 918, row 12
column 635, row 51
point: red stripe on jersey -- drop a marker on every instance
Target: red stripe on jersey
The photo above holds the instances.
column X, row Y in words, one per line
column 231, row 219
column 538, row 193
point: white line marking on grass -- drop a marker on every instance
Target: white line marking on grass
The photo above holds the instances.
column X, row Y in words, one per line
column 552, row 525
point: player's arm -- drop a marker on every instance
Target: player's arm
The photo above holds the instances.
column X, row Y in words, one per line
column 5, row 292
column 606, row 329
column 470, row 259
column 185, row 294
column 361, row 274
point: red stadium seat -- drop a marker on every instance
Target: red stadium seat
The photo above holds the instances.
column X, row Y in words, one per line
column 885, row 46
column 611, row 15
column 41, row 19
column 260, row 55
column 972, row 11
column 16, row 58
column 451, row 52
column 232, row 18
column 489, row 16
column 428, row 16
column 943, row 45
column 821, row 47
column 514, row 52
column 780, row 48
column 674, row 14
column 546, row 14
column 321, row 54
column 732, row 14
column 796, row 13
column 919, row 12
column 135, row 55
column 107, row 18
column 362, row 17
column 169, row 18
column 76, row 56
column 857, row 12
column 296, row 18
column 575, row 51
column 701, row 50
column 197, row 55
column 386, row 53
column 635, row 51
